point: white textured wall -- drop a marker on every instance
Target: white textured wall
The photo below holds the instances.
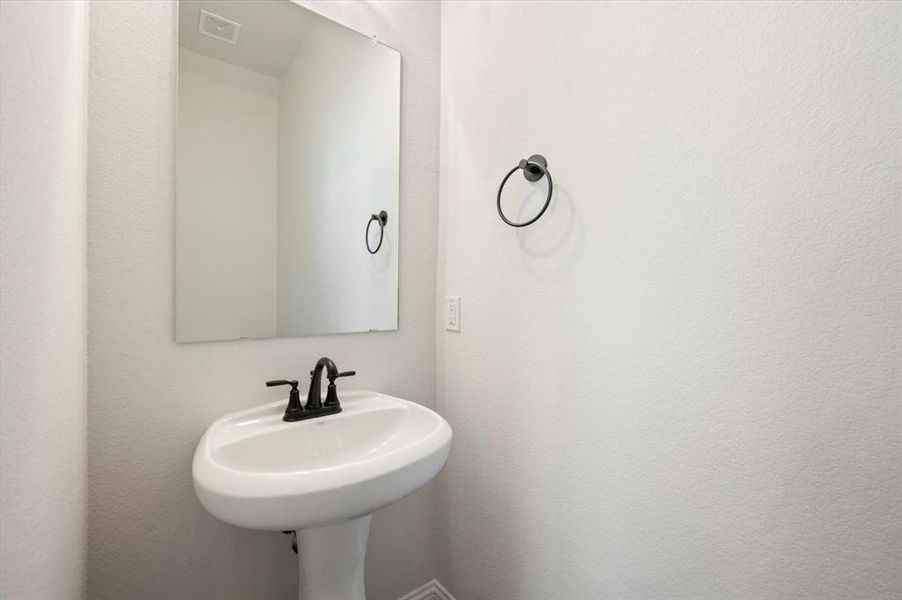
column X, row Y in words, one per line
column 43, row 62
column 684, row 381
column 226, row 213
column 151, row 399
column 339, row 114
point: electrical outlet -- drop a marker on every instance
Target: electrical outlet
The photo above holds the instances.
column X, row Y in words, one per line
column 452, row 313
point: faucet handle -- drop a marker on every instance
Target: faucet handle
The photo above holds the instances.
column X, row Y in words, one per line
column 331, row 394
column 294, row 409
column 293, row 383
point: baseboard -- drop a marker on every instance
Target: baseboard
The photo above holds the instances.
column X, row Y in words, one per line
column 432, row 590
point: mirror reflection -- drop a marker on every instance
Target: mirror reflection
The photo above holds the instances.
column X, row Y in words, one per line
column 287, row 174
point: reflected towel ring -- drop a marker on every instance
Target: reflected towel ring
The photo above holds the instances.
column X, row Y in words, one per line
column 534, row 169
column 382, row 219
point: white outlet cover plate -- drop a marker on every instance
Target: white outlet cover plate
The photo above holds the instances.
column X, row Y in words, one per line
column 452, row 313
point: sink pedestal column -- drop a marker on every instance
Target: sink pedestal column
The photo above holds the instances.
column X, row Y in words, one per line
column 331, row 560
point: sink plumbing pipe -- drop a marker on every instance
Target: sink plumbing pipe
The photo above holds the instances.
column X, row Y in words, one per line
column 294, row 539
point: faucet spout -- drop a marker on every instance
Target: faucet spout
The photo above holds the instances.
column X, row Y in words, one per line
column 316, row 377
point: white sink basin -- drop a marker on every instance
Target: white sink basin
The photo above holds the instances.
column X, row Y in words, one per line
column 252, row 469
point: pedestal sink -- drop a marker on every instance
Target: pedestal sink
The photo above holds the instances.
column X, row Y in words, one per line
column 323, row 478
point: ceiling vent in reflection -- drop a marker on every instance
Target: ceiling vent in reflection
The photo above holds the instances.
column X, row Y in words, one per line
column 219, row 28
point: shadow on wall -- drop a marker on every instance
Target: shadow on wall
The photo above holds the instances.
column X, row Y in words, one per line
column 556, row 235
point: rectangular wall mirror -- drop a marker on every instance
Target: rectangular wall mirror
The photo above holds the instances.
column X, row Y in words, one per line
column 287, row 174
